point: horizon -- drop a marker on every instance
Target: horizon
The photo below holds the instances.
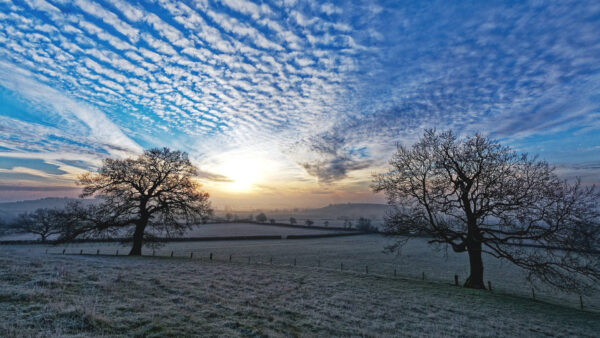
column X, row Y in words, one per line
column 289, row 104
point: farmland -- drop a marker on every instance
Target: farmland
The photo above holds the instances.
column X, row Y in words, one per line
column 67, row 295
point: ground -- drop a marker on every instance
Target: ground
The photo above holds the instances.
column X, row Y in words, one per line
column 72, row 295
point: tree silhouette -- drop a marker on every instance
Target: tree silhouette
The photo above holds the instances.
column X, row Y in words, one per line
column 292, row 220
column 479, row 196
column 43, row 222
column 261, row 218
column 154, row 190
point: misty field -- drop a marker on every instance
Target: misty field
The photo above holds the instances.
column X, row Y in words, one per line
column 72, row 295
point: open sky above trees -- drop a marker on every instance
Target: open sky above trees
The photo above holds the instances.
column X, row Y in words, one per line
column 289, row 103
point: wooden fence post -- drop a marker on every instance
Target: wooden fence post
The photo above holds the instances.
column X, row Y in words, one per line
column 533, row 293
column 153, row 253
column 229, row 258
column 581, row 302
column 490, row 286
column 394, row 272
column 423, row 275
column 97, row 251
column 191, row 255
column 341, row 266
column 64, row 251
column 117, row 253
column 456, row 280
column 81, row 252
column 171, row 253
column 210, row 257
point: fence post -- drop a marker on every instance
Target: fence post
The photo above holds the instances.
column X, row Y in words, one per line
column 581, row 302
column 533, row 293
column 153, row 253
column 423, row 275
column 210, row 257
column 81, row 252
column 341, row 266
column 394, row 272
column 490, row 286
column 191, row 255
column 64, row 251
column 97, row 251
column 117, row 253
column 171, row 253
column 229, row 258
column 456, row 280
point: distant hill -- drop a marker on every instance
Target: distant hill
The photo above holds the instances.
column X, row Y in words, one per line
column 349, row 210
column 10, row 210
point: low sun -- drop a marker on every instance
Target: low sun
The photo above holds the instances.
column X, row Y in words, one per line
column 243, row 175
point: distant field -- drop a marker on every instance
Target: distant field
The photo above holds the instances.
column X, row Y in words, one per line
column 71, row 295
column 356, row 253
column 222, row 230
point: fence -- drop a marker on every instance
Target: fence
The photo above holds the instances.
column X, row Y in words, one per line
column 382, row 270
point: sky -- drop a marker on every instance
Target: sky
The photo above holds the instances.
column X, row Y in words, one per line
column 289, row 103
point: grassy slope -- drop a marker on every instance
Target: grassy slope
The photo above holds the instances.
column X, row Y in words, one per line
column 73, row 295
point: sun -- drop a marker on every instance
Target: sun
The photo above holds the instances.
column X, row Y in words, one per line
column 244, row 174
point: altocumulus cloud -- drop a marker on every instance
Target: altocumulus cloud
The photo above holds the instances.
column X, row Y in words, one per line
column 327, row 87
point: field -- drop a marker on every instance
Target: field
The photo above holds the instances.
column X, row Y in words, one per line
column 72, row 295
column 221, row 230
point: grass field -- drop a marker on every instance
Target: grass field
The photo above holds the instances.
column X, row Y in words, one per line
column 71, row 295
column 355, row 254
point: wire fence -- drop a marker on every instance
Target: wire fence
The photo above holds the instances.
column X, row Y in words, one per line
column 329, row 264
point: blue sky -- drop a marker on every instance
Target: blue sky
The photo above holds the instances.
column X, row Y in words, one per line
column 289, row 103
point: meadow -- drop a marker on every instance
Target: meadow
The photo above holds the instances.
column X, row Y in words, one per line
column 356, row 254
column 72, row 295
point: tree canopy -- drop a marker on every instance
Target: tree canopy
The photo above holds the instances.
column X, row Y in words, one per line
column 156, row 190
column 476, row 195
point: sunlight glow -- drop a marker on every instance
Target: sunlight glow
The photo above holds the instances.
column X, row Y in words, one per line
column 243, row 173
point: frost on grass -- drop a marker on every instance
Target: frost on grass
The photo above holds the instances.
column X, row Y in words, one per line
column 55, row 295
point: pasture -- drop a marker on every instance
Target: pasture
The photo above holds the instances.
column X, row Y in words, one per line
column 355, row 254
column 72, row 295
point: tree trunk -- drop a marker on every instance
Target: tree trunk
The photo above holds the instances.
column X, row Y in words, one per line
column 475, row 280
column 138, row 238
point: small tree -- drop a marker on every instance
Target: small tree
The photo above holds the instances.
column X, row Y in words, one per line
column 43, row 222
column 261, row 218
column 364, row 225
column 326, row 223
column 228, row 217
column 292, row 220
column 308, row 222
column 479, row 196
column 154, row 190
column 272, row 221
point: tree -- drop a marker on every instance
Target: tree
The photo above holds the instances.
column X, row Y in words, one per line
column 308, row 222
column 261, row 218
column 292, row 220
column 155, row 190
column 272, row 221
column 228, row 217
column 364, row 225
column 326, row 223
column 476, row 195
column 43, row 222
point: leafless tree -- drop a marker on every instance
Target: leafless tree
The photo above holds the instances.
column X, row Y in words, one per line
column 43, row 222
column 479, row 196
column 155, row 190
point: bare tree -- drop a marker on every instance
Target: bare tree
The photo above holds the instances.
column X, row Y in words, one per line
column 154, row 190
column 292, row 220
column 479, row 196
column 43, row 222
